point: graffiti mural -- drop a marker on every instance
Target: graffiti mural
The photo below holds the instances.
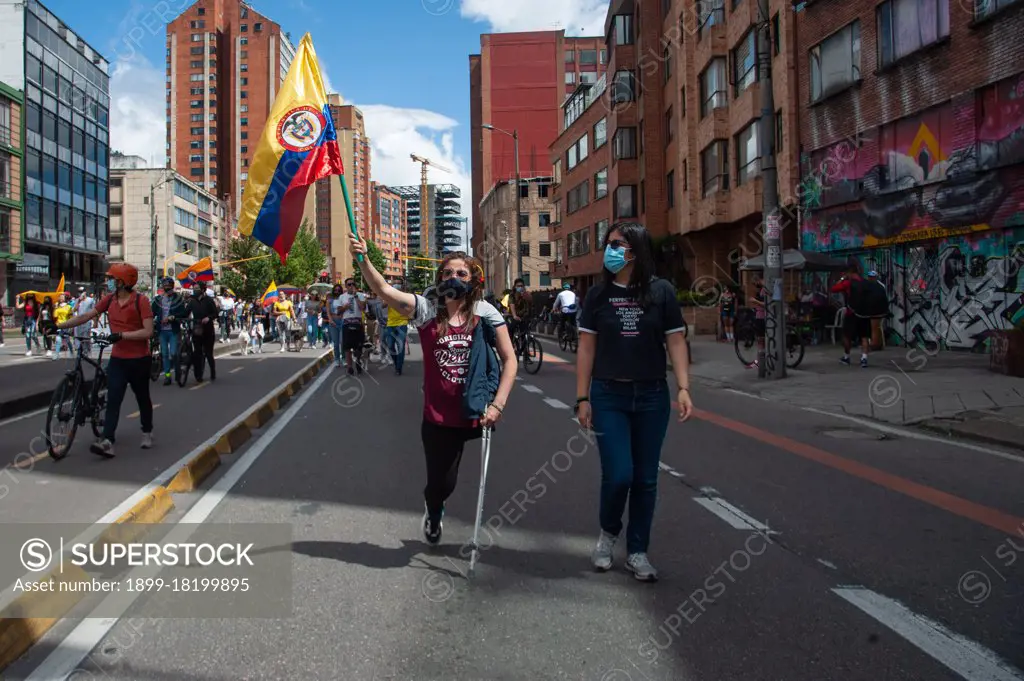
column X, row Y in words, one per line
column 935, row 203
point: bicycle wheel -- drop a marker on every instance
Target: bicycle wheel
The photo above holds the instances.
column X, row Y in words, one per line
column 99, row 403
column 794, row 350
column 563, row 341
column 574, row 341
column 533, row 355
column 184, row 362
column 156, row 363
column 746, row 346
column 62, row 417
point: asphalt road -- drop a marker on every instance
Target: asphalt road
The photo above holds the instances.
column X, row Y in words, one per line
column 792, row 546
column 82, row 487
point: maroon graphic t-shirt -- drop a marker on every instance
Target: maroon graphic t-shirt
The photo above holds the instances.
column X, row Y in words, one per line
column 446, row 363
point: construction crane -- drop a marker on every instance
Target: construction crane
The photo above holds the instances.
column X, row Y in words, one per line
column 424, row 217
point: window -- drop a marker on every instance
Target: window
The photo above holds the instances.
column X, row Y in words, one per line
column 715, row 167
column 578, row 197
column 195, row 144
column 604, row 56
column 623, row 87
column 623, row 29
column 588, row 77
column 712, row 87
column 196, row 91
column 602, row 231
column 245, row 12
column 984, row 8
column 196, row 172
column 195, row 51
column 905, row 26
column 196, row 64
column 997, row 114
column 258, row 27
column 244, row 28
column 196, row 131
column 600, row 133
column 835, row 62
column 588, row 57
column 524, row 220
column 577, row 152
column 244, row 108
column 778, row 133
column 601, row 184
column 545, row 249
column 244, row 135
column 244, row 68
column 670, row 188
column 542, row 190
column 748, row 154
column 744, row 64
column 196, row 118
column 243, row 41
column 710, row 13
column 524, row 249
column 666, row 60
column 244, row 94
column 543, row 219
column 570, row 78
column 244, row 149
column 624, row 143
column 202, row 11
column 570, row 56
column 524, row 190
column 776, row 33
column 196, row 104
column 197, row 37
column 579, row 243
column 669, row 126
column 245, row 81
column 558, row 171
column 196, row 158
column 198, row 24
column 625, row 201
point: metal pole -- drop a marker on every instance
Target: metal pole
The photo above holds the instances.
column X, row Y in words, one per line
column 152, row 229
column 519, row 204
column 773, row 364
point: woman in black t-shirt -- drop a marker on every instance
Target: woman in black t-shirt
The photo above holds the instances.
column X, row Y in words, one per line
column 622, row 391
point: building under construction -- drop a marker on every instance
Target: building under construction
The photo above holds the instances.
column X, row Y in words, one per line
column 445, row 224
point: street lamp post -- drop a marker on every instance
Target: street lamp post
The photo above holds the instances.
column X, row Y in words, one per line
column 519, row 199
column 153, row 228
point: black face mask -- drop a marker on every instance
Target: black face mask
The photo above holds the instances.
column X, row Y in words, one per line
column 453, row 288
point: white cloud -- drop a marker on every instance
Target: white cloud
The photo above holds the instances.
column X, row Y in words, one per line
column 395, row 133
column 138, row 122
column 577, row 17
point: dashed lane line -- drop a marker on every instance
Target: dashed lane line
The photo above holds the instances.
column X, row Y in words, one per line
column 135, row 414
column 532, row 389
column 557, row 404
column 733, row 516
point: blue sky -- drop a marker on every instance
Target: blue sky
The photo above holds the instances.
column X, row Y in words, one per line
column 403, row 62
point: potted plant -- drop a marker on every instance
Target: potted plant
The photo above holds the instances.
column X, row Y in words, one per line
column 1007, row 355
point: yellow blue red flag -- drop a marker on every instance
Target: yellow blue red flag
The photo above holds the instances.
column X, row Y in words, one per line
column 299, row 146
column 201, row 271
column 270, row 296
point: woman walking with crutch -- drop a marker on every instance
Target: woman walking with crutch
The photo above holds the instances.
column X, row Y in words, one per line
column 462, row 394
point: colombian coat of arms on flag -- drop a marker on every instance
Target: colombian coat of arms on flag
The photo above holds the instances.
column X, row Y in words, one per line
column 298, row 146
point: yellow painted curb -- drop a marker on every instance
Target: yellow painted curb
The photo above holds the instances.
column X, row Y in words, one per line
column 20, row 622
column 152, row 509
column 233, row 439
column 261, row 416
column 195, row 471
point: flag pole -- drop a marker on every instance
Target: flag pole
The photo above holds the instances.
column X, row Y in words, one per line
column 348, row 207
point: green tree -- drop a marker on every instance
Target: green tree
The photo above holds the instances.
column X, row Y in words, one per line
column 377, row 259
column 420, row 273
column 250, row 279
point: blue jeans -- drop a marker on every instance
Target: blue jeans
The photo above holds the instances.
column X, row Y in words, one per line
column 394, row 341
column 312, row 329
column 334, row 329
column 30, row 334
column 630, row 421
column 168, row 348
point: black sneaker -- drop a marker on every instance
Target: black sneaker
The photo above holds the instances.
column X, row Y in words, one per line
column 432, row 528
column 845, row 360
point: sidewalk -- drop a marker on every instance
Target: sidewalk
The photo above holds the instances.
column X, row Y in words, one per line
column 27, row 383
column 950, row 392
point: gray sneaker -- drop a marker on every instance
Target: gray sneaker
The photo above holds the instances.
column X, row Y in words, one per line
column 641, row 568
column 602, row 556
column 103, row 447
column 147, row 440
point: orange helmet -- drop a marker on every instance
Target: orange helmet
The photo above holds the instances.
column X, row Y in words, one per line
column 128, row 274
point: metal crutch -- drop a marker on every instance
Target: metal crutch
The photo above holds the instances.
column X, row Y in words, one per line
column 485, row 456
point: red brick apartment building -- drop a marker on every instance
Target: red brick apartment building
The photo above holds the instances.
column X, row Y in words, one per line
column 518, row 82
column 912, row 116
column 225, row 64
column 388, row 228
column 680, row 111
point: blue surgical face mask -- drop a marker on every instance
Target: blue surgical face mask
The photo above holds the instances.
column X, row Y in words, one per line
column 111, row 285
column 614, row 259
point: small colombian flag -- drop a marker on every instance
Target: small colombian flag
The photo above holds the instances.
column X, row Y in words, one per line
column 298, row 147
column 270, row 296
column 201, row 271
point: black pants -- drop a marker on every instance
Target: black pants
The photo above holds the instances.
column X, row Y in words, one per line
column 202, row 352
column 442, row 446
column 122, row 373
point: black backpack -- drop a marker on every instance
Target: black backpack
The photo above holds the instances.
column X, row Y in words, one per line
column 869, row 299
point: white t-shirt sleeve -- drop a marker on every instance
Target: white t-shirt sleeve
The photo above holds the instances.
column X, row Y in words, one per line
column 485, row 310
column 424, row 313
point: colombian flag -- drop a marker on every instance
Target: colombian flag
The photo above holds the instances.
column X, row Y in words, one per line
column 270, row 295
column 201, row 271
column 298, row 147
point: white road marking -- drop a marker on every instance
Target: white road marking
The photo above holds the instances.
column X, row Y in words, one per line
column 236, row 370
column 828, row 564
column 70, row 652
column 671, row 471
column 965, row 657
column 532, row 389
column 557, row 404
column 736, row 518
column 914, row 435
column 710, row 492
column 745, row 394
column 24, row 416
column 135, row 414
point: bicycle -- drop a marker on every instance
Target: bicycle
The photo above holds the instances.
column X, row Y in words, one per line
column 185, row 351
column 746, row 332
column 529, row 348
column 568, row 337
column 76, row 400
column 156, row 361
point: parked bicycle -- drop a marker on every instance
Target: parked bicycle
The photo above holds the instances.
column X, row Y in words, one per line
column 77, row 399
column 746, row 328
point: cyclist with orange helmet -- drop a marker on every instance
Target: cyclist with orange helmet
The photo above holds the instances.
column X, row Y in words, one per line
column 131, row 324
